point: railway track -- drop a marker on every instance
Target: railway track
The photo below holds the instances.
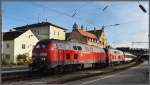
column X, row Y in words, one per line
column 28, row 75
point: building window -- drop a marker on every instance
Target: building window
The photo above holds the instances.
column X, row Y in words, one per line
column 54, row 32
column 34, row 31
column 75, row 48
column 38, row 32
column 7, row 45
column 58, row 33
column 7, row 57
column 23, row 46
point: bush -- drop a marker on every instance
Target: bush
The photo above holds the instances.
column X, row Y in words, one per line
column 4, row 62
column 22, row 59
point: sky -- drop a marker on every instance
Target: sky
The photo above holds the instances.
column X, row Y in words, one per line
column 133, row 21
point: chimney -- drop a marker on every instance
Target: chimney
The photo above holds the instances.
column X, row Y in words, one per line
column 82, row 28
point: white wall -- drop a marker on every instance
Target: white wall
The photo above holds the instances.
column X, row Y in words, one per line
column 27, row 38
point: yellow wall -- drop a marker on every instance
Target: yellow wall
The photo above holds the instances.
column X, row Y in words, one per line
column 57, row 33
column 103, row 40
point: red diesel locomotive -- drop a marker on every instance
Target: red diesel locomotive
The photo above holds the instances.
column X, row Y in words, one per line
column 61, row 55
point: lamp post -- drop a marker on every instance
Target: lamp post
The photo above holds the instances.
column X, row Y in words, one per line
column 109, row 26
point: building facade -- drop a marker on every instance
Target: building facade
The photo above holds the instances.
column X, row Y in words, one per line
column 91, row 37
column 17, row 43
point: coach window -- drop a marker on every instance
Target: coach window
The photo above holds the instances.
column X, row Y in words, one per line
column 75, row 56
column 67, row 56
column 75, row 47
column 43, row 46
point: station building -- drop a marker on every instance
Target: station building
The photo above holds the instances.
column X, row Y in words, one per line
column 91, row 37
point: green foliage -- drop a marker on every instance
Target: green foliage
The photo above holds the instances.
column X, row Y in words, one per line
column 22, row 59
column 4, row 62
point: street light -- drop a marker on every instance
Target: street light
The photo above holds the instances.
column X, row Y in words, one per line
column 142, row 7
column 109, row 26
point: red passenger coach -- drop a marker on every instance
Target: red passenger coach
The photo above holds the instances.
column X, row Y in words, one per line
column 59, row 54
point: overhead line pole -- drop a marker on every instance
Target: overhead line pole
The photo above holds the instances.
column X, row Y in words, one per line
column 1, row 39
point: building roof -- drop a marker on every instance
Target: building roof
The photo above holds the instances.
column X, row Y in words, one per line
column 37, row 25
column 88, row 34
column 67, row 35
column 11, row 35
column 96, row 32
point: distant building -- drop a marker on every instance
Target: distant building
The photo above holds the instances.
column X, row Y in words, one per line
column 91, row 37
column 16, row 43
column 45, row 30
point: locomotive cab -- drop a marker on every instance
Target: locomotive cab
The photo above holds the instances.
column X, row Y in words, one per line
column 40, row 55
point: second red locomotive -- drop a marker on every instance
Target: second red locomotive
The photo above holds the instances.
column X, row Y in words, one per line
column 58, row 54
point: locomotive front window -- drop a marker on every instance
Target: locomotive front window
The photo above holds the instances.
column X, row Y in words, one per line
column 42, row 45
column 37, row 46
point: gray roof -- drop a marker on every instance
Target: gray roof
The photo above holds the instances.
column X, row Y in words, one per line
column 37, row 25
column 11, row 35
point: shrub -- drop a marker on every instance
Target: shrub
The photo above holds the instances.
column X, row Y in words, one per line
column 4, row 62
column 22, row 59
